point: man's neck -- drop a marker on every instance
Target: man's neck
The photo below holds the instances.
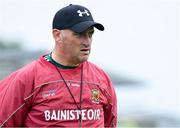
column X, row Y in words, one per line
column 57, row 58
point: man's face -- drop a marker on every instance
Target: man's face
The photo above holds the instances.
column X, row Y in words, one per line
column 76, row 47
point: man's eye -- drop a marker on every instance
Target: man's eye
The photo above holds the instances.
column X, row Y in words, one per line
column 83, row 34
column 78, row 34
column 90, row 35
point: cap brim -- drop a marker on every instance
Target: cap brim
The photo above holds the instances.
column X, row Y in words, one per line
column 85, row 25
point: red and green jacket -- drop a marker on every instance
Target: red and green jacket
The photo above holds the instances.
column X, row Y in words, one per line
column 36, row 95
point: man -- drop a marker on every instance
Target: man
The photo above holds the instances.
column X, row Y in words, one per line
column 61, row 89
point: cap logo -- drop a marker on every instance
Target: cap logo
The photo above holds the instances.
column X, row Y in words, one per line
column 81, row 13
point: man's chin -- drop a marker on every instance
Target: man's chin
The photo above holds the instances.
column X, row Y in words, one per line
column 85, row 58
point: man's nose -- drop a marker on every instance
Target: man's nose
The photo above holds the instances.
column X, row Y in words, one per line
column 87, row 39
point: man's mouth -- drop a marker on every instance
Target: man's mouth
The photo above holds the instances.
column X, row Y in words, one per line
column 85, row 50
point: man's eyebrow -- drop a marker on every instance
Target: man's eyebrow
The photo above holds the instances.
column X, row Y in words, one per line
column 91, row 31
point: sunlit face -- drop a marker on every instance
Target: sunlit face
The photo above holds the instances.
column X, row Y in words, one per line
column 76, row 47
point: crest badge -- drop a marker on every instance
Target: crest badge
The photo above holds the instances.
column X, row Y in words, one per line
column 95, row 95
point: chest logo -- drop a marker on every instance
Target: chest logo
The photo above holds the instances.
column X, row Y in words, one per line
column 48, row 93
column 95, row 96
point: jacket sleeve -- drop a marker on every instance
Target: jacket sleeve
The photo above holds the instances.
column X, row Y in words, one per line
column 110, row 110
column 13, row 90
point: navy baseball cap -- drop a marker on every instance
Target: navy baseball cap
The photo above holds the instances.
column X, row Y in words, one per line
column 76, row 18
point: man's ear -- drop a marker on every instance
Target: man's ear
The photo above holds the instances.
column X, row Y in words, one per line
column 57, row 35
